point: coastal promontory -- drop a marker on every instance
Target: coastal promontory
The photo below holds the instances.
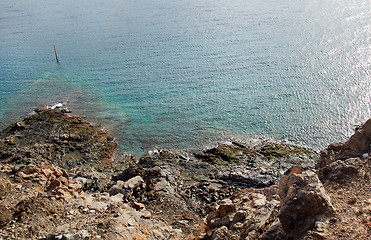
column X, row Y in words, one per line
column 62, row 177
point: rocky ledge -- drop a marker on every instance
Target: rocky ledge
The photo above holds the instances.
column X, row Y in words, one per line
column 60, row 179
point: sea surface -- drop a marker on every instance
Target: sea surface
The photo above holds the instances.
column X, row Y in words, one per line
column 182, row 74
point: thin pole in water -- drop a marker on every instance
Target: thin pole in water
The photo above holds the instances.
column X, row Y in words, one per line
column 55, row 51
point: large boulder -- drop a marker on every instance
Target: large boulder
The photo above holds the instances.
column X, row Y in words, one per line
column 341, row 170
column 303, row 202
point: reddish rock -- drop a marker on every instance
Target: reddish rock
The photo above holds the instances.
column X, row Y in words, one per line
column 26, row 176
column 343, row 160
column 221, row 233
column 296, row 169
column 47, row 172
column 340, row 170
column 57, row 172
column 65, row 174
column 53, row 185
column 361, row 140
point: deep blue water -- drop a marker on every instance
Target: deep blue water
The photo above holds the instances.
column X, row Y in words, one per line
column 182, row 74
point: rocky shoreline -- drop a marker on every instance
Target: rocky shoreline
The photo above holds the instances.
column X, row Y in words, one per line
column 60, row 179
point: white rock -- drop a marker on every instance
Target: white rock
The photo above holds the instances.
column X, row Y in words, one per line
column 134, row 182
column 117, row 198
column 82, row 234
column 99, row 206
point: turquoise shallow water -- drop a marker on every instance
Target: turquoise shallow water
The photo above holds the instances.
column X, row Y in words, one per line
column 182, row 74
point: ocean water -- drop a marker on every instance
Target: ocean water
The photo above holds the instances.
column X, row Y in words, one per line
column 184, row 74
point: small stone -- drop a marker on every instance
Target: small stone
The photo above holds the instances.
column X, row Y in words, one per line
column 63, row 180
column 134, row 182
column 226, row 208
column 99, row 206
column 53, row 184
column 157, row 234
column 146, row 214
column 239, row 216
column 117, row 198
column 85, row 210
column 117, row 188
column 57, row 172
column 161, row 185
column 46, row 171
column 30, row 169
column 27, row 176
column 5, row 185
column 221, row 233
column 138, row 206
column 82, row 234
column 238, row 226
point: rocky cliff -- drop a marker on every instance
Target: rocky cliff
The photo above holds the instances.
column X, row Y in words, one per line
column 59, row 180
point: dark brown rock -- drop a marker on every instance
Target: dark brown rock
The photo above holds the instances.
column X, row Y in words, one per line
column 54, row 184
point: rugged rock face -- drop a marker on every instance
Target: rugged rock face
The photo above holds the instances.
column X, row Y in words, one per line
column 303, row 202
column 357, row 146
column 345, row 170
column 245, row 215
column 51, row 136
column 341, row 160
column 359, row 143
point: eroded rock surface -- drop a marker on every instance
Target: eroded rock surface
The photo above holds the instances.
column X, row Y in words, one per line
column 51, row 136
column 303, row 202
column 345, row 170
column 245, row 215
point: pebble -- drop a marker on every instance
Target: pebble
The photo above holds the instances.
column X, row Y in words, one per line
column 99, row 206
